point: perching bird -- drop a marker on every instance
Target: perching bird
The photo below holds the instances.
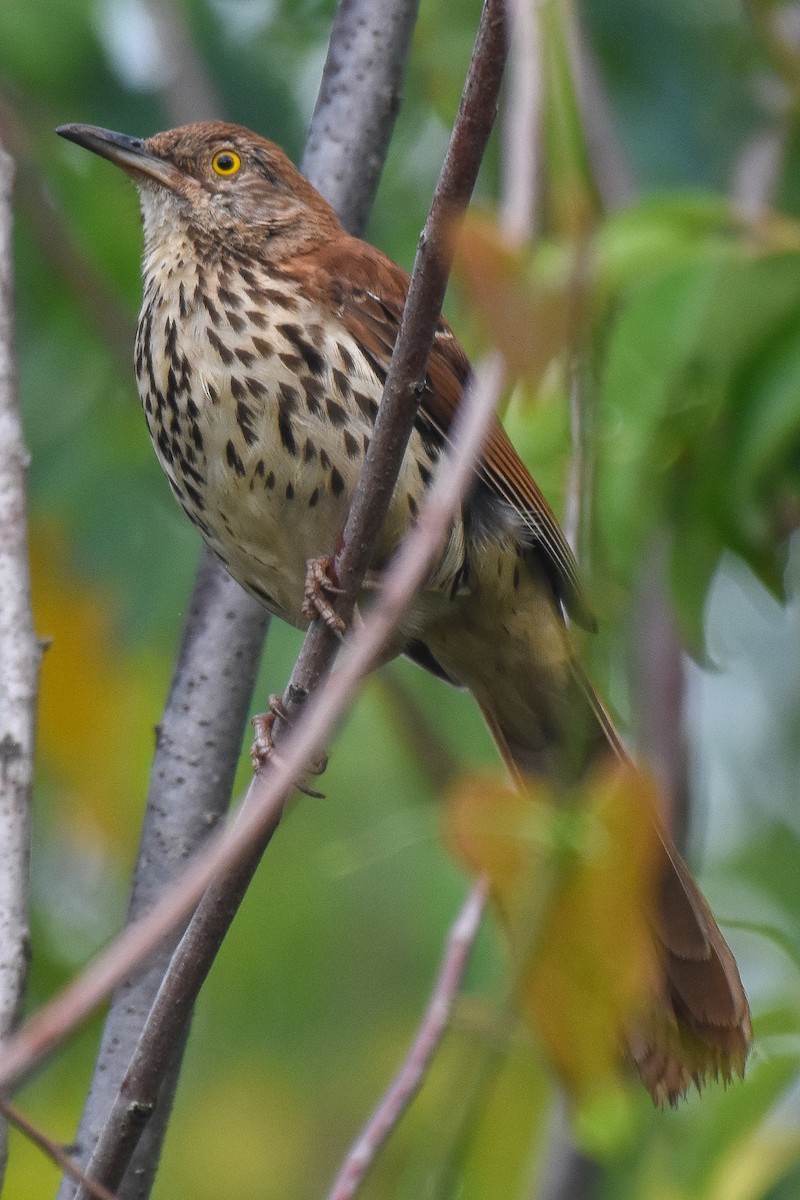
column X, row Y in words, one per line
column 263, row 343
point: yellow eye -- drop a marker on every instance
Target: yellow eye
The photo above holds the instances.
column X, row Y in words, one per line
column 226, row 162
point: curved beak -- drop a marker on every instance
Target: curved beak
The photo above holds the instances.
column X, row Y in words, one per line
column 130, row 153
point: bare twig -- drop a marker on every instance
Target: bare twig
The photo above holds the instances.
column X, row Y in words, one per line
column 431, row 1030
column 19, row 655
column 53, row 1151
column 417, row 730
column 522, row 124
column 104, row 308
column 609, row 166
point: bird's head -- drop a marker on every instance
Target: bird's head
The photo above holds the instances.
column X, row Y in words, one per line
column 223, row 183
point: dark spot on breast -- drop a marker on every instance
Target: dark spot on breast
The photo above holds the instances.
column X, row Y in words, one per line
column 347, row 359
column 264, row 348
column 424, row 473
column 213, row 394
column 313, row 391
column 337, row 483
column 367, row 405
column 289, row 397
column 336, row 414
column 351, row 445
column 412, row 506
column 260, row 468
column 324, row 461
column 309, row 451
column 192, row 411
column 208, row 304
column 245, row 357
column 289, row 492
column 228, row 298
column 286, row 432
column 313, row 498
column 196, row 435
column 256, row 317
column 244, row 419
column 233, row 460
column 164, row 446
column 341, row 382
column 236, row 322
column 255, row 387
column 310, row 355
column 237, row 388
column 293, row 361
column 222, row 350
column 195, row 497
column 182, row 307
column 269, row 482
column 378, row 368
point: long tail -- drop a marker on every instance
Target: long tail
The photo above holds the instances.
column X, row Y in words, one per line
column 699, row 1025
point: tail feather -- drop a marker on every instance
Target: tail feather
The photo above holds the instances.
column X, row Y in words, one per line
column 698, row 1025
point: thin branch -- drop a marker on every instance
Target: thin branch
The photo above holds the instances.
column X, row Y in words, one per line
column 20, row 655
column 53, row 1151
column 409, row 1078
column 102, row 305
column 418, row 731
column 522, row 124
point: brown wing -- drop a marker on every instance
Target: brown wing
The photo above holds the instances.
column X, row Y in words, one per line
column 368, row 291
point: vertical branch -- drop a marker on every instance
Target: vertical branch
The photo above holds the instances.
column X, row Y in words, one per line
column 19, row 655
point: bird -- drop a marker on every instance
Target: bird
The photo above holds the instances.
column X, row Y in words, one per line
column 262, row 347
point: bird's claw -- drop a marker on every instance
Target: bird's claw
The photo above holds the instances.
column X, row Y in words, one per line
column 321, row 582
column 264, row 751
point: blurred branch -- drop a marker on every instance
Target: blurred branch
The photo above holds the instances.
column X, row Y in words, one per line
column 102, row 305
column 368, row 35
column 659, row 688
column 53, row 1151
column 416, row 729
column 20, row 655
column 522, row 164
column 430, row 1032
column 188, row 91
column 609, row 166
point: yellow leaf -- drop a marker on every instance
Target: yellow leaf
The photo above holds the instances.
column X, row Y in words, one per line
column 530, row 313
column 575, row 888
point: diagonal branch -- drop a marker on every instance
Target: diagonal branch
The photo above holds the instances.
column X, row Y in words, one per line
column 20, row 655
column 431, row 1030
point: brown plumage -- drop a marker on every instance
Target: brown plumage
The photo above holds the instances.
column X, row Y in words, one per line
column 263, row 343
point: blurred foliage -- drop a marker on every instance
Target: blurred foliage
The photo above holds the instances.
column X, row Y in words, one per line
column 690, row 327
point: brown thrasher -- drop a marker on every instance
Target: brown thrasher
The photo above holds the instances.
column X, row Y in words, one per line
column 263, row 343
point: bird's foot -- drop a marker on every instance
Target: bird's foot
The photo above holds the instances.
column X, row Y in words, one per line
column 321, row 582
column 264, row 750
